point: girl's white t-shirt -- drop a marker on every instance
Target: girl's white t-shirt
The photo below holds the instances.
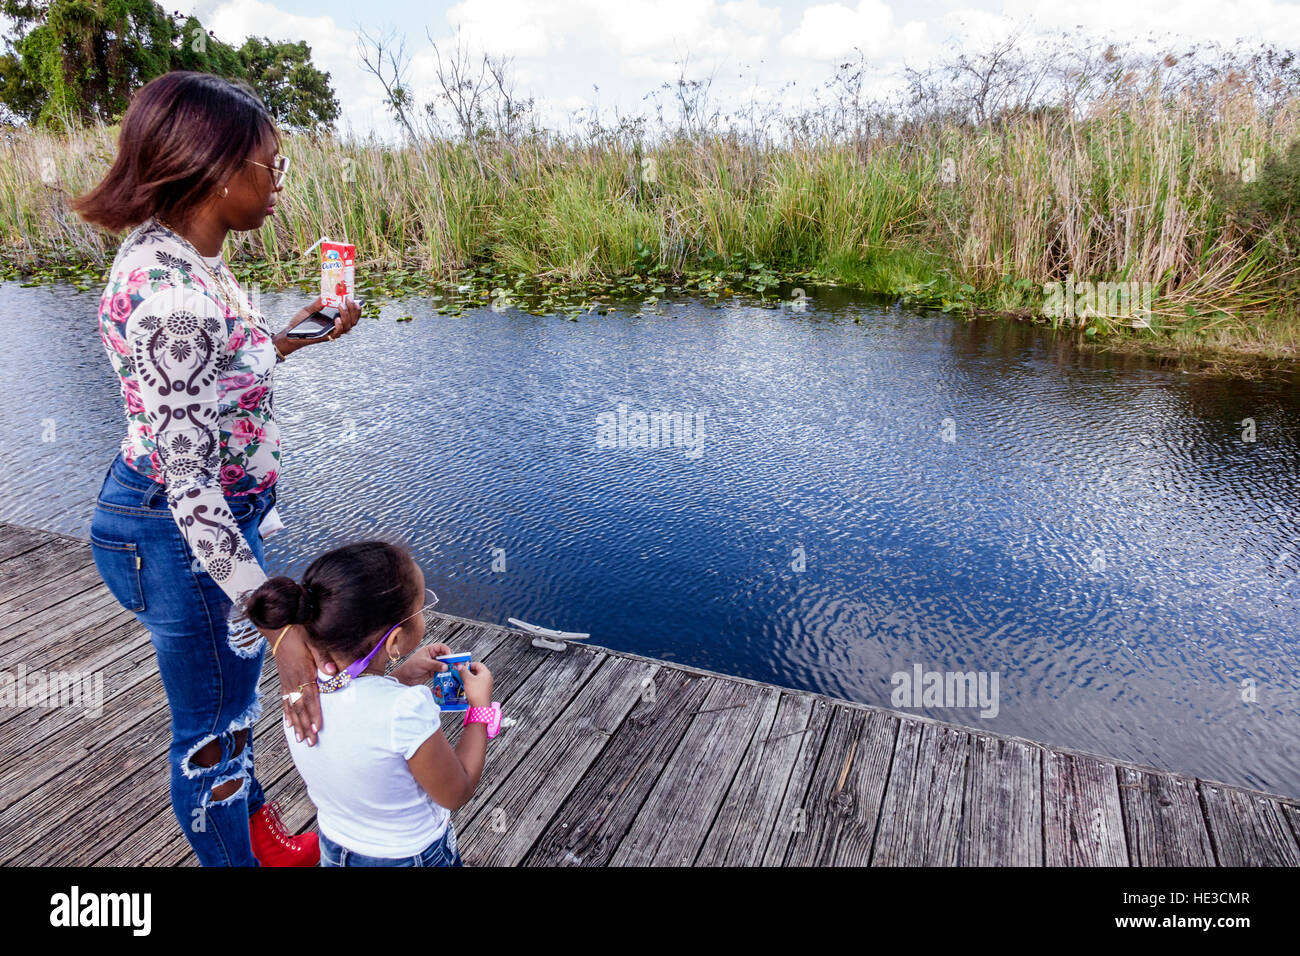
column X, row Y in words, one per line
column 366, row 798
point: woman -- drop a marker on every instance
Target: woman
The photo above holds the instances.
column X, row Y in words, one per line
column 176, row 533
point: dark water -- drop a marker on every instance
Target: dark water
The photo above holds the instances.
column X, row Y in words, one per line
column 1096, row 531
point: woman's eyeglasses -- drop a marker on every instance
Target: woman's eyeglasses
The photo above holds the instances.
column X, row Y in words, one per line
column 278, row 171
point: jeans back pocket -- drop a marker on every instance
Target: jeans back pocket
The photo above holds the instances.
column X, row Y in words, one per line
column 118, row 563
column 241, row 507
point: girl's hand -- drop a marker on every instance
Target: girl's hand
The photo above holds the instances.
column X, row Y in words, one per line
column 421, row 665
column 478, row 683
column 348, row 316
column 296, row 663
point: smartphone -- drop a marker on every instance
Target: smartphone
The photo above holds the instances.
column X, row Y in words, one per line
column 318, row 323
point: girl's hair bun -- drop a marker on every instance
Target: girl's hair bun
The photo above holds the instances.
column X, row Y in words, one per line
column 278, row 602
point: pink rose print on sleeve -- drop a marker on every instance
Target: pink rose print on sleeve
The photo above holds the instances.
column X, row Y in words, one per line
column 133, row 404
column 119, row 308
column 253, row 397
column 108, row 333
column 177, row 338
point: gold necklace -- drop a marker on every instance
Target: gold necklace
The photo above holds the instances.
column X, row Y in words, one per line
column 231, row 296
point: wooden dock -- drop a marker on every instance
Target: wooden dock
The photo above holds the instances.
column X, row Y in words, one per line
column 614, row 760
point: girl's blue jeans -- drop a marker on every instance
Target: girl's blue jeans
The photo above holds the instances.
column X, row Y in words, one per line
column 441, row 852
column 211, row 685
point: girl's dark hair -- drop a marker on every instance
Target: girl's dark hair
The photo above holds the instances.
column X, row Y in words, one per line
column 347, row 599
column 183, row 135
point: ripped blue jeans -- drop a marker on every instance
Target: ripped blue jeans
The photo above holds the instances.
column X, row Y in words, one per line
column 211, row 685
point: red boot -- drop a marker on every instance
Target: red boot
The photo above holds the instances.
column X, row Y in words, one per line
column 273, row 845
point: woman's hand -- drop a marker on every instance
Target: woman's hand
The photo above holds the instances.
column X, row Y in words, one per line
column 419, row 666
column 297, row 663
column 347, row 318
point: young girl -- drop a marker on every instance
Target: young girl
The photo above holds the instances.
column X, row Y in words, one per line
column 383, row 777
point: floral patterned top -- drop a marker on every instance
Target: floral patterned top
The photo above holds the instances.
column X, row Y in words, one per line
column 196, row 380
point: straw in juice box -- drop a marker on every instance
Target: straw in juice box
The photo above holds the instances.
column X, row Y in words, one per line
column 337, row 272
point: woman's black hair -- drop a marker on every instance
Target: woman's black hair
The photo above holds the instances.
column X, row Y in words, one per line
column 183, row 135
column 347, row 599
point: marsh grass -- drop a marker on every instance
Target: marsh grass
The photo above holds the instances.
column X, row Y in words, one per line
column 1144, row 183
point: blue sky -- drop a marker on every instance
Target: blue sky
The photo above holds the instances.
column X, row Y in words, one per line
column 765, row 50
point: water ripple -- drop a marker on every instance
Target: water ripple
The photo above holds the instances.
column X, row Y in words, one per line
column 910, row 490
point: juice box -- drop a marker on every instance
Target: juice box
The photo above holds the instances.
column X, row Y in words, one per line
column 338, row 273
column 448, row 690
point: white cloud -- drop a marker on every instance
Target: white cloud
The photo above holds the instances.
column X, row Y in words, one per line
column 1217, row 20
column 764, row 20
column 563, row 48
column 658, row 29
column 829, row 31
column 512, row 27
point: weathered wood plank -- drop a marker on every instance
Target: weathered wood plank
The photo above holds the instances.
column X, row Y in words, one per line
column 920, row 824
column 675, row 819
column 1291, row 813
column 43, row 734
column 1083, row 823
column 79, row 623
column 843, row 803
column 48, row 563
column 791, row 818
column 127, row 638
column 518, row 808
column 134, row 703
column 1002, row 816
column 1163, row 821
column 1248, row 830
column 15, row 540
column 592, row 820
column 592, row 770
column 749, row 812
column 79, row 806
column 47, row 594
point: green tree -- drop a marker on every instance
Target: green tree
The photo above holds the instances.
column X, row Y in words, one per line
column 296, row 93
column 75, row 61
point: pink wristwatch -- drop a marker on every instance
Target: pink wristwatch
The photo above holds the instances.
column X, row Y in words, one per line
column 485, row 715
